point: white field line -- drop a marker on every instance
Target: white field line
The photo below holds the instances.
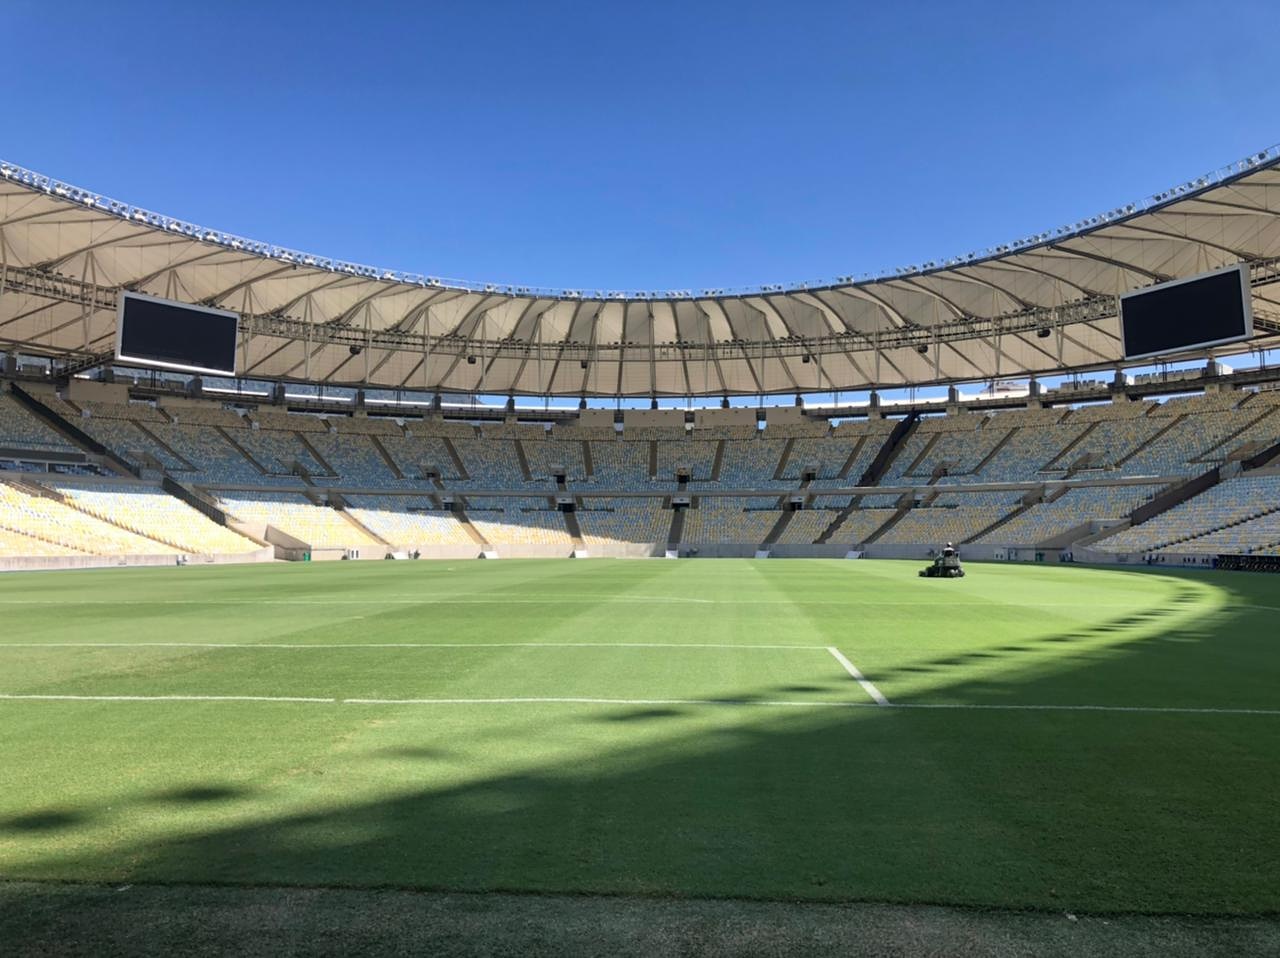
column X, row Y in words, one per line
column 430, row 599
column 565, row 700
column 380, row 600
column 858, row 677
column 397, row 645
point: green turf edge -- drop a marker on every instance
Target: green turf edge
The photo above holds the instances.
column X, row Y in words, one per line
column 73, row 919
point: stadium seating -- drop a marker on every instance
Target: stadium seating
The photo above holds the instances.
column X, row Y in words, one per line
column 938, row 524
column 624, row 467
column 414, row 455
column 150, row 512
column 806, row 525
column 15, row 545
column 41, row 514
column 19, row 429
column 356, row 462
column 751, row 464
column 215, row 459
column 514, row 520
column 610, row 520
column 547, row 458
column 493, row 464
column 691, row 457
column 859, row 524
column 319, row 526
column 1044, row 520
column 407, row 522
column 241, row 457
column 1225, row 504
column 279, row 452
column 730, row 519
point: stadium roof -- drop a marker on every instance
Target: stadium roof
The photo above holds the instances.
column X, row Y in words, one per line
column 1038, row 305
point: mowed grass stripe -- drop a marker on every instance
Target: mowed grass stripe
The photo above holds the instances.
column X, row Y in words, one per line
column 585, row 700
column 1052, row 743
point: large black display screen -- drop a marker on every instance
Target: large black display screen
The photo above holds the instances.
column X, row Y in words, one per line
column 157, row 332
column 1186, row 314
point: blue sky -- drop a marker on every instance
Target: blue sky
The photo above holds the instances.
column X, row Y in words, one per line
column 635, row 146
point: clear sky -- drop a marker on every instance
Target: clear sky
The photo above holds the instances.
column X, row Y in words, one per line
column 641, row 145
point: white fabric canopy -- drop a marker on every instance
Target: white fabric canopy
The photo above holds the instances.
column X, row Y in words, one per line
column 65, row 253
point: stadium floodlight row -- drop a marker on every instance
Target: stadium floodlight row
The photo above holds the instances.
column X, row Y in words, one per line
column 1040, row 305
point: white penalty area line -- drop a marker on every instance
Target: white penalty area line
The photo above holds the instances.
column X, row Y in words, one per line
column 566, row 700
column 401, row 645
column 858, row 677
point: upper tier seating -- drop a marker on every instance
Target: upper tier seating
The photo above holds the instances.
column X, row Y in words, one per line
column 749, row 464
column 447, row 428
column 797, row 430
column 415, row 455
column 572, row 431
column 289, row 422
column 530, row 432
column 130, row 440
column 132, row 411
column 215, row 459
column 647, row 433
column 20, row 429
column 365, row 426
column 624, row 466
column 714, row 433
column 278, row 452
column 1224, row 504
column 194, row 415
column 691, row 457
column 828, row 456
column 549, row 458
column 493, row 464
column 357, row 462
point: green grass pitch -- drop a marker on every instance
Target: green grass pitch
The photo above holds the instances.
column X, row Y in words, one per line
column 651, row 728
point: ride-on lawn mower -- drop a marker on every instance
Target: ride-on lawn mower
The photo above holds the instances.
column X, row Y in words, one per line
column 946, row 565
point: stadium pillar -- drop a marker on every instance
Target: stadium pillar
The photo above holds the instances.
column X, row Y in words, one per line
column 359, row 398
column 277, row 394
column 10, row 367
column 195, row 387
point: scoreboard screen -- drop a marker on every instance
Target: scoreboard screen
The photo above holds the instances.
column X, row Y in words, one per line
column 167, row 335
column 1187, row 314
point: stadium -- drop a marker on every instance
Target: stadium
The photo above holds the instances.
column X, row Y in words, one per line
column 427, row 614
column 233, row 414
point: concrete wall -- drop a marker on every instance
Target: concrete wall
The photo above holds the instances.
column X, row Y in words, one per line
column 652, row 417
column 51, row 563
column 595, row 417
column 774, row 415
column 84, row 389
column 723, row 417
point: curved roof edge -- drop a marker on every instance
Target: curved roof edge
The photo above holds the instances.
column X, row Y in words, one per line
column 1221, row 176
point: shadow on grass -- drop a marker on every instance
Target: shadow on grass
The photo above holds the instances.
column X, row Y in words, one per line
column 1049, row 810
